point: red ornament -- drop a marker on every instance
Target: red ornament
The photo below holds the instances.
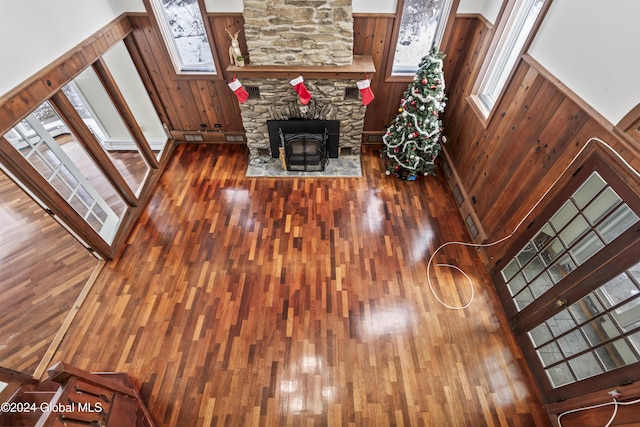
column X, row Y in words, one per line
column 424, row 81
column 397, row 167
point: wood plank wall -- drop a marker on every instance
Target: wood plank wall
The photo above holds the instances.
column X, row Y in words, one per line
column 199, row 102
column 505, row 165
column 537, row 129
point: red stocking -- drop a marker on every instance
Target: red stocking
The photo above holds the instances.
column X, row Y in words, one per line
column 239, row 90
column 365, row 91
column 301, row 90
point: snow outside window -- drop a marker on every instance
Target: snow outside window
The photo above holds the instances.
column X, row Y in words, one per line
column 421, row 26
column 184, row 33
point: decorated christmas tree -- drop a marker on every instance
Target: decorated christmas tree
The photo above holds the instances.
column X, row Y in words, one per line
column 412, row 142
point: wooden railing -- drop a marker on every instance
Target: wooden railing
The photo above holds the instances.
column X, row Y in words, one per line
column 72, row 396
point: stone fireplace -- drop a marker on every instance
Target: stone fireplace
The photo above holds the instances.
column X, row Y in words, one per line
column 309, row 38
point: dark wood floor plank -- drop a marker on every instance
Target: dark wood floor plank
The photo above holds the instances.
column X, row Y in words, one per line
column 42, row 271
column 262, row 301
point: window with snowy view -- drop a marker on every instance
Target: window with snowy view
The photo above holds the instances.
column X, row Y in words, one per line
column 421, row 26
column 185, row 36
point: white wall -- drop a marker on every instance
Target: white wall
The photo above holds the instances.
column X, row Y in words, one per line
column 34, row 33
column 374, row 6
column 594, row 48
column 487, row 8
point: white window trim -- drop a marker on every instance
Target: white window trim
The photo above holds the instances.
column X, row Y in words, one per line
column 505, row 56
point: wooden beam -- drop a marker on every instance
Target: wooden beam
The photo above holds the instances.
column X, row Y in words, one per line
column 362, row 65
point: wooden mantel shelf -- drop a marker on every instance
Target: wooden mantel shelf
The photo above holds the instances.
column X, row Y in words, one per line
column 361, row 67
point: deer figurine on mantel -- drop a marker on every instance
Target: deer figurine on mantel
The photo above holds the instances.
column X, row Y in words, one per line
column 235, row 54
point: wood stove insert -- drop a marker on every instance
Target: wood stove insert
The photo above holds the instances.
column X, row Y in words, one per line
column 329, row 130
column 305, row 151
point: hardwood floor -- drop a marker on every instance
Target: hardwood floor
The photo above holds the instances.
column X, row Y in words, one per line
column 43, row 270
column 261, row 301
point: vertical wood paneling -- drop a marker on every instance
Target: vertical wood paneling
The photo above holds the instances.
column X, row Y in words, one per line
column 538, row 127
column 190, row 101
column 372, row 36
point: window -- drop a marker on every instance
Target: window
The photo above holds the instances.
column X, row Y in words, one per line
column 185, row 35
column 518, row 27
column 421, row 26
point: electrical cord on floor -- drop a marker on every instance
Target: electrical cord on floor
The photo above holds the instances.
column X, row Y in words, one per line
column 616, row 404
column 486, row 245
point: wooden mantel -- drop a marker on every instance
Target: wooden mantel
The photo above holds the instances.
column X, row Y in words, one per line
column 361, row 67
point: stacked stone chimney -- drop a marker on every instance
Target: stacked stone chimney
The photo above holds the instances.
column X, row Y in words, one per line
column 308, row 38
column 299, row 32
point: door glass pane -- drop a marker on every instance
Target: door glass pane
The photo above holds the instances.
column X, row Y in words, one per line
column 574, row 230
column 46, row 142
column 586, row 247
column 523, row 299
column 586, row 366
column 600, row 330
column 617, row 223
column 550, row 354
column 564, row 215
column 510, row 270
column 572, row 343
column 560, row 375
column 526, row 254
column 516, row 284
column 621, row 288
column 602, row 205
column 588, row 190
column 635, row 341
column 540, row 334
column 628, row 316
column 562, row 268
column 532, row 269
column 561, row 323
column 94, row 105
column 130, row 84
column 552, row 251
column 541, row 284
column 545, row 234
column 586, row 308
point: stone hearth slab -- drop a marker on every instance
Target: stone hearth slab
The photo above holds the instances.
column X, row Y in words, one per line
column 342, row 167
